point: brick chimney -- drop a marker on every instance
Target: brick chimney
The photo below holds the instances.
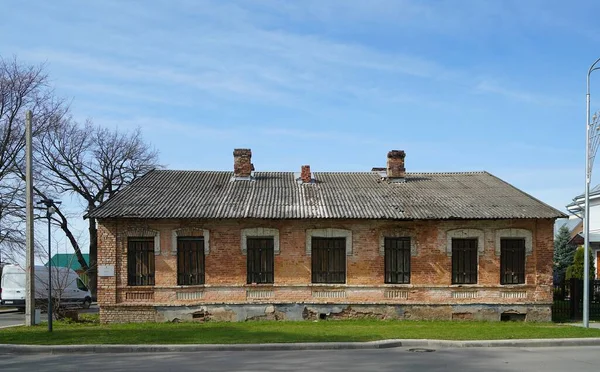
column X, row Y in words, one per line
column 305, row 175
column 395, row 164
column 242, row 165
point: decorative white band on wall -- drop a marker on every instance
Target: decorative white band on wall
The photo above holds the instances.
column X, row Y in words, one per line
column 140, row 296
column 465, row 234
column 516, row 294
column 515, row 233
column 260, row 232
column 403, row 295
column 145, row 232
column 329, row 294
column 190, row 295
column 259, row 293
column 464, row 294
column 329, row 233
column 190, row 232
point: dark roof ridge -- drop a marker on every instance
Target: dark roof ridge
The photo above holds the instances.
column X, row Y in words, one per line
column 438, row 173
column 336, row 172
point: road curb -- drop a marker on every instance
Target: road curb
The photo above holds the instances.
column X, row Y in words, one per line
column 62, row 349
column 543, row 342
column 382, row 344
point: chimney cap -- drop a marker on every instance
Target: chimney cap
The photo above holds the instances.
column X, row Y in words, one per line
column 242, row 152
column 396, row 154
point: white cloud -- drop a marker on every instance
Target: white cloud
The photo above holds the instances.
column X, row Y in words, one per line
column 520, row 95
column 238, row 52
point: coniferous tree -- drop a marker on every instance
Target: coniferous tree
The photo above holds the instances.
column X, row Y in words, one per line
column 576, row 269
column 563, row 252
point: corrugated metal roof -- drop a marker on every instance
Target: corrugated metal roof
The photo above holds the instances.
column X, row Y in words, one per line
column 68, row 260
column 336, row 195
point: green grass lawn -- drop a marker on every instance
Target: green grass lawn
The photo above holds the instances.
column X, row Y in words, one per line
column 272, row 331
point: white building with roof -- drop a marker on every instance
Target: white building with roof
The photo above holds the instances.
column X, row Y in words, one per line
column 575, row 223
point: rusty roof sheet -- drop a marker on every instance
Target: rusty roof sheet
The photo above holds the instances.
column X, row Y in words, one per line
column 333, row 195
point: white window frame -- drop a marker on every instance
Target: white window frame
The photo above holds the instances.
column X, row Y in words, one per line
column 515, row 234
column 145, row 232
column 329, row 233
column 465, row 234
column 259, row 232
column 191, row 232
column 399, row 233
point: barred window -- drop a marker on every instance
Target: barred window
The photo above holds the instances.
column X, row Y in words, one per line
column 397, row 260
column 260, row 256
column 464, row 261
column 140, row 261
column 512, row 261
column 328, row 260
column 190, row 261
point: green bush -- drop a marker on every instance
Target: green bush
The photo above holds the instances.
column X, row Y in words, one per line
column 89, row 318
column 82, row 319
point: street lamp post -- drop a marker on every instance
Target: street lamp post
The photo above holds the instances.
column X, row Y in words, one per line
column 590, row 153
column 50, row 209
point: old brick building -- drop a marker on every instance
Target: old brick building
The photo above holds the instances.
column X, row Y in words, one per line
column 204, row 245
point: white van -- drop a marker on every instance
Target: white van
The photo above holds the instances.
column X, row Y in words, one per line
column 66, row 285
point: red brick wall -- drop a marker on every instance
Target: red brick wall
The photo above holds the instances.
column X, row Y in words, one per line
column 226, row 265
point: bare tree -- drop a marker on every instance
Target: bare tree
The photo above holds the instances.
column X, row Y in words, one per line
column 86, row 160
column 22, row 87
column 93, row 163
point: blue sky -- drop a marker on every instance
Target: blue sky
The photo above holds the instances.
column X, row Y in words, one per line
column 459, row 85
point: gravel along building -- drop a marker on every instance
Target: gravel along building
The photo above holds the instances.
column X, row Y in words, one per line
column 387, row 244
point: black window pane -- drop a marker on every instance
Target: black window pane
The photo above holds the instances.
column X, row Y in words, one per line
column 397, row 260
column 512, row 261
column 328, row 258
column 190, row 261
column 464, row 261
column 140, row 261
column 260, row 260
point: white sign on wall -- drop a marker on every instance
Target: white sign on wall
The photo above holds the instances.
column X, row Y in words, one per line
column 106, row 270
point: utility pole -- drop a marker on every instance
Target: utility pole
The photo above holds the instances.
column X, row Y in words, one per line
column 30, row 259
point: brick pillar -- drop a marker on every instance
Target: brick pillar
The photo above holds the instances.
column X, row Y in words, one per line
column 395, row 164
column 305, row 174
column 107, row 255
column 242, row 162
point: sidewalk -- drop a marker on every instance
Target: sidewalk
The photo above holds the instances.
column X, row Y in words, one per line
column 8, row 310
column 382, row 344
column 580, row 324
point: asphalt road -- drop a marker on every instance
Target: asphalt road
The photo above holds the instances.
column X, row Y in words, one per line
column 579, row 359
